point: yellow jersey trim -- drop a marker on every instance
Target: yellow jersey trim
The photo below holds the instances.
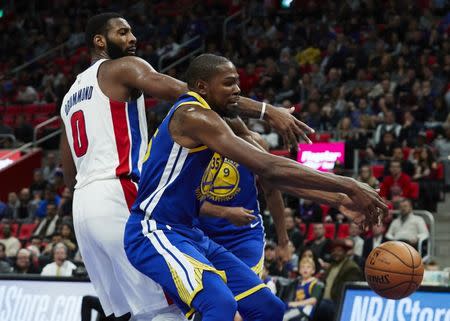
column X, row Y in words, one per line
column 189, row 313
column 250, row 291
column 198, row 149
column 200, row 99
column 193, row 103
column 259, row 266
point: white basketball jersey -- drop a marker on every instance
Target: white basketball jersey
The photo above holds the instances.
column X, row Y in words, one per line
column 107, row 138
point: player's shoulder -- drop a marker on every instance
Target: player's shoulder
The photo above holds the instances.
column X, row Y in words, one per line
column 127, row 63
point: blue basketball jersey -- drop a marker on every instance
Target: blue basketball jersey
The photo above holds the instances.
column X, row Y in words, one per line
column 170, row 188
column 233, row 185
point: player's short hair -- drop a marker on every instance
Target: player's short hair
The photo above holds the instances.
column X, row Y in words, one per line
column 203, row 67
column 98, row 25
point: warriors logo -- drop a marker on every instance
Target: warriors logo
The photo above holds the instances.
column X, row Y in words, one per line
column 220, row 182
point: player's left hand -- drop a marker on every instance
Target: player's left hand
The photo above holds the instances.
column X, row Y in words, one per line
column 283, row 252
column 352, row 211
column 289, row 127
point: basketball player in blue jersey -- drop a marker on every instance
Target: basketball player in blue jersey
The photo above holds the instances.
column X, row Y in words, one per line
column 161, row 240
column 102, row 146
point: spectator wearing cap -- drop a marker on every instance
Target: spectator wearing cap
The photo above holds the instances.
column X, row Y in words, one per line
column 342, row 269
column 24, row 263
column 12, row 243
column 408, row 227
column 60, row 266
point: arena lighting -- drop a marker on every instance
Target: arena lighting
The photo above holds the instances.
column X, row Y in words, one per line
column 1, row 13
column 5, row 163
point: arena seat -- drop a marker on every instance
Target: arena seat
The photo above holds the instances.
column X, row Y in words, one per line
column 330, row 230
column 406, row 152
column 440, row 171
column 378, row 170
column 343, row 231
column 429, row 135
column 302, row 228
column 325, row 210
column 414, row 190
column 14, row 230
column 26, row 230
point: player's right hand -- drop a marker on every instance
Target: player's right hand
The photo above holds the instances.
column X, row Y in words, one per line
column 239, row 216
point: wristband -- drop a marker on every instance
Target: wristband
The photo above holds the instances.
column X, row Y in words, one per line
column 263, row 110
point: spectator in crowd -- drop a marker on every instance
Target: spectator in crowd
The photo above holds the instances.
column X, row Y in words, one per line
column 407, row 165
column 50, row 196
column 27, row 95
column 273, row 262
column 267, row 280
column 342, row 270
column 5, row 211
column 23, row 130
column 50, row 168
column 13, row 205
column 35, row 246
column 408, row 227
column 12, row 243
column 375, row 240
column 397, row 184
column 358, row 241
column 320, row 244
column 61, row 265
column 443, row 145
column 68, row 238
column 24, row 263
column 388, row 125
column 39, row 183
column 48, row 226
column 4, row 130
column 409, row 131
column 26, row 207
column 310, row 212
column 308, row 292
column 366, row 176
column 58, row 182
column 384, row 150
column 295, row 236
column 426, row 165
column 5, row 262
column 65, row 206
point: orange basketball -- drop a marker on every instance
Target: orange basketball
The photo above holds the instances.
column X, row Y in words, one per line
column 394, row 270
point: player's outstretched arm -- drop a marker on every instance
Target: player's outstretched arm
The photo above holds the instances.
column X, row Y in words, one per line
column 236, row 215
column 136, row 73
column 194, row 126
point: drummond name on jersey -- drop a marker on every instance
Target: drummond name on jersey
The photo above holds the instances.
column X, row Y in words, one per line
column 80, row 95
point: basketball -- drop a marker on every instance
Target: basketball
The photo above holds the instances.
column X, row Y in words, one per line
column 394, row 270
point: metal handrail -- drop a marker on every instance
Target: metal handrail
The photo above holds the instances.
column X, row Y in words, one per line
column 182, row 59
column 21, row 148
column 229, row 19
column 184, row 44
column 9, row 136
column 43, row 124
column 430, row 218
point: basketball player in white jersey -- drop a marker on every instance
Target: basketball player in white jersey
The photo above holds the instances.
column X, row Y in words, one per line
column 102, row 147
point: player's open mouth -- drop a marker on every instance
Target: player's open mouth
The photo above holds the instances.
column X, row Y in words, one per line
column 131, row 49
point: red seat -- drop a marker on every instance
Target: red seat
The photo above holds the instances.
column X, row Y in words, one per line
column 414, row 190
column 343, row 231
column 310, row 233
column 330, row 230
column 302, row 228
column 406, row 152
column 440, row 171
column 429, row 135
column 378, row 171
column 14, row 230
column 26, row 230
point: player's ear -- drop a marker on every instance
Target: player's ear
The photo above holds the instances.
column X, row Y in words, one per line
column 202, row 87
column 99, row 41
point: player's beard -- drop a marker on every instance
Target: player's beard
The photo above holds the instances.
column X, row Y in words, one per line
column 114, row 51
